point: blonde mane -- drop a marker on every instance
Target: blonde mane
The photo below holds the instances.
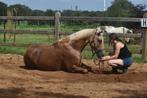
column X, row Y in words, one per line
column 85, row 33
column 82, row 34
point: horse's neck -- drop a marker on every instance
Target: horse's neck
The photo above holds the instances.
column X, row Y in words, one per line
column 80, row 39
column 79, row 45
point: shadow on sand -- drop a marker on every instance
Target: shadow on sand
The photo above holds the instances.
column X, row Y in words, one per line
column 23, row 93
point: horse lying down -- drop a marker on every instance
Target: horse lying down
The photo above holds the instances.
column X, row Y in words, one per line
column 65, row 54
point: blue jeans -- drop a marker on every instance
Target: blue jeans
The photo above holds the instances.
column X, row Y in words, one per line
column 127, row 61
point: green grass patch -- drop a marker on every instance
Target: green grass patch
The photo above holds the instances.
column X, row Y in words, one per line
column 87, row 54
column 12, row 50
column 138, row 58
column 29, row 39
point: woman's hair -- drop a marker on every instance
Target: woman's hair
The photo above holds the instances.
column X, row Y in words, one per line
column 113, row 36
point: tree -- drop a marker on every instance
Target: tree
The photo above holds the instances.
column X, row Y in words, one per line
column 21, row 10
column 3, row 9
column 139, row 10
column 38, row 13
column 125, row 8
column 67, row 13
column 49, row 12
column 121, row 8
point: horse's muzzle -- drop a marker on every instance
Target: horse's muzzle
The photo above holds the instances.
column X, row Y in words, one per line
column 99, row 54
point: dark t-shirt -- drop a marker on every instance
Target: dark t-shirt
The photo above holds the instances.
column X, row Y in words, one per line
column 124, row 52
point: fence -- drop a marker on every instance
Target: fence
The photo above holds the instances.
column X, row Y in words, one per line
column 57, row 30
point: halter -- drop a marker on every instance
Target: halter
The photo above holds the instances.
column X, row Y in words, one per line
column 92, row 42
column 93, row 48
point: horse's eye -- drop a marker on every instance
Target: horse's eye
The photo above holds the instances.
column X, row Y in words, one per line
column 98, row 34
column 100, row 41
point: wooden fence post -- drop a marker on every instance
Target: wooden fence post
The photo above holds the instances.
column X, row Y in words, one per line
column 4, row 31
column 144, row 44
column 57, row 25
column 10, row 24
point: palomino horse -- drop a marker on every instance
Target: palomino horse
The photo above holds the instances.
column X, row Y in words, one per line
column 65, row 54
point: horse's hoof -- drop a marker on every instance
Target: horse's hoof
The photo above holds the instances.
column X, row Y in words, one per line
column 85, row 71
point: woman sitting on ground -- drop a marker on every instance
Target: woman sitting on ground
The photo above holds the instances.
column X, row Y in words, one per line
column 121, row 57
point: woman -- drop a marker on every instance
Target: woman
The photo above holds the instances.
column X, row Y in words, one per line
column 121, row 58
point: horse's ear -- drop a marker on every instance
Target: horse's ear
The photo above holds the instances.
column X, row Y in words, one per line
column 100, row 30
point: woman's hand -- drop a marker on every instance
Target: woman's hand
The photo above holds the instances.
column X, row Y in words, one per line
column 105, row 58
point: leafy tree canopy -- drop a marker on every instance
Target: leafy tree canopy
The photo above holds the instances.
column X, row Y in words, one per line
column 20, row 10
column 3, row 8
column 121, row 8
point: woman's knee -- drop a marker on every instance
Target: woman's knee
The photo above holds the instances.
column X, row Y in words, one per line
column 110, row 62
column 115, row 62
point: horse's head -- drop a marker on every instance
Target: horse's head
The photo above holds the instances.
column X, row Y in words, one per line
column 97, row 42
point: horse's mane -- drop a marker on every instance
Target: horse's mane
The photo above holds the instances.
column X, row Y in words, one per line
column 82, row 34
column 85, row 33
column 63, row 40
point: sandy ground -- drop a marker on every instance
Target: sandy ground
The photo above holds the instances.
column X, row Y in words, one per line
column 18, row 82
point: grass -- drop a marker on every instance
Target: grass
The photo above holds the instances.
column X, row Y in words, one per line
column 29, row 39
column 12, row 50
column 138, row 58
column 24, row 39
column 40, row 27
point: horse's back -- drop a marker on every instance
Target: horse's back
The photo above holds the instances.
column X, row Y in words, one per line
column 43, row 57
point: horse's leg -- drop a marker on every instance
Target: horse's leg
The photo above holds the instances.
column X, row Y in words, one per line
column 78, row 69
column 89, row 68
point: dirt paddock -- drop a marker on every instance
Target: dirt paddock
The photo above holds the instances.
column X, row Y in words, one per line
column 18, row 82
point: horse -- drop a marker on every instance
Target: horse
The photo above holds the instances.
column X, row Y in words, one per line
column 64, row 54
column 120, row 30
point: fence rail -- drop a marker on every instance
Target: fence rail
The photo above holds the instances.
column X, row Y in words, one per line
column 26, row 18
column 122, row 19
column 47, row 32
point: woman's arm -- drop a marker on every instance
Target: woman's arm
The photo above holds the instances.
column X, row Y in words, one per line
column 116, row 53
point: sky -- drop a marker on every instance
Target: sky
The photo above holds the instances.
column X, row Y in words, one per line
column 90, row 5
